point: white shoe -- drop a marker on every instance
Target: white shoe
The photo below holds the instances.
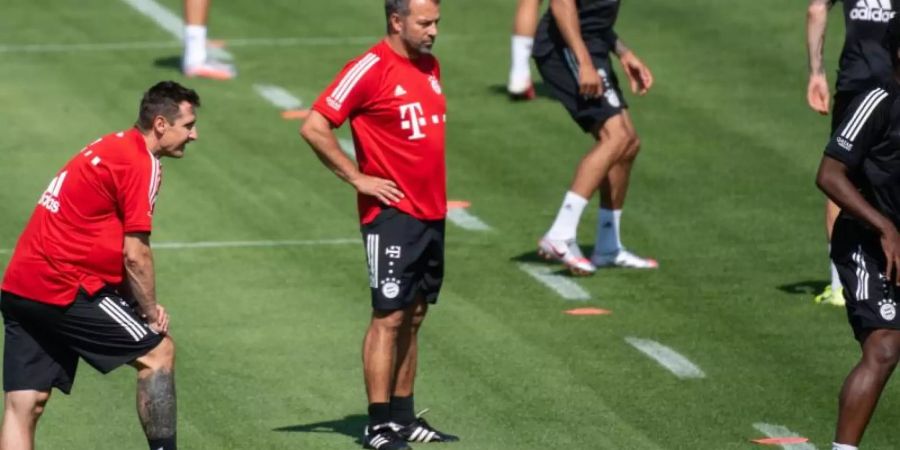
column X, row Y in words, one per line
column 623, row 258
column 566, row 252
column 212, row 70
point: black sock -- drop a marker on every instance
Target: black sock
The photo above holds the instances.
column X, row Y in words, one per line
column 402, row 410
column 379, row 413
column 162, row 444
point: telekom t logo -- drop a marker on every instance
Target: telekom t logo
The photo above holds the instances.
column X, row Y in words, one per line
column 411, row 117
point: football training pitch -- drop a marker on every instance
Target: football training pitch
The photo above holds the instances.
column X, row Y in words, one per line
column 262, row 268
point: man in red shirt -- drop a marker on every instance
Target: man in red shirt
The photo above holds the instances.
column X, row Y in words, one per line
column 392, row 96
column 81, row 281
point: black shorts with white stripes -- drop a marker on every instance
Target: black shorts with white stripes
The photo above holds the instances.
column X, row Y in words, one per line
column 871, row 298
column 43, row 342
column 405, row 256
column 559, row 70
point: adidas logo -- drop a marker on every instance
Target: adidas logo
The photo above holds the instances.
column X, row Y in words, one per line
column 873, row 11
column 399, row 91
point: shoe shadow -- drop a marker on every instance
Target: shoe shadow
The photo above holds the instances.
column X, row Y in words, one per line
column 540, row 90
column 351, row 425
column 168, row 62
column 808, row 287
column 532, row 257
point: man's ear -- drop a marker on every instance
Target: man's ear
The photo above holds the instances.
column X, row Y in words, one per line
column 160, row 124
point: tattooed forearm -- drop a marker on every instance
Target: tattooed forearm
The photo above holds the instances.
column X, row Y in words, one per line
column 156, row 404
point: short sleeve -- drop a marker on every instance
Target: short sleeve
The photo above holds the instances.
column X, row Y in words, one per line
column 862, row 128
column 350, row 90
column 137, row 186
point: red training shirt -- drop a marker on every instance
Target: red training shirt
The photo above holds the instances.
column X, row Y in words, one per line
column 397, row 114
column 76, row 234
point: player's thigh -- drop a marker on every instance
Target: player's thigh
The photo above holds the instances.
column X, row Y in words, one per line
column 107, row 330
column 559, row 70
column 34, row 358
column 395, row 243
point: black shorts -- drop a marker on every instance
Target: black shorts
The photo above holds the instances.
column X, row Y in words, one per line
column 559, row 69
column 871, row 298
column 405, row 256
column 43, row 342
column 840, row 104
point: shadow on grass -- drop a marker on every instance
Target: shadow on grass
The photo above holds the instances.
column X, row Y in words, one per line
column 351, row 425
column 808, row 287
column 540, row 90
column 169, row 62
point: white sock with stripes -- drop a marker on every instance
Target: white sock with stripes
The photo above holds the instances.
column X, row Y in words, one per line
column 194, row 45
column 608, row 241
column 835, row 278
column 565, row 226
column 520, row 70
column 836, row 446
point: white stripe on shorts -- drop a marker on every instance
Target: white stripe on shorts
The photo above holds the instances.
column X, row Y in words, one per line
column 122, row 318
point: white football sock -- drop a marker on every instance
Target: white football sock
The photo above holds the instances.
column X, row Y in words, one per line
column 194, row 45
column 520, row 70
column 565, row 226
column 835, row 278
column 607, row 240
column 836, row 446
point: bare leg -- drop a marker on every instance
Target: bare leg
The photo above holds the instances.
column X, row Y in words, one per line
column 408, row 350
column 21, row 412
column 379, row 347
column 524, row 27
column 196, row 12
column 863, row 386
column 527, row 13
column 615, row 186
column 614, row 140
column 831, row 213
column 156, row 403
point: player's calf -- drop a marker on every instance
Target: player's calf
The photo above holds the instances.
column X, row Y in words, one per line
column 156, row 401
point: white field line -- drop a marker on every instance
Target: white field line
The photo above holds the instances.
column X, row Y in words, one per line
column 673, row 361
column 170, row 22
column 249, row 244
column 466, row 220
column 278, row 96
column 778, row 431
column 560, row 284
column 241, row 244
column 152, row 45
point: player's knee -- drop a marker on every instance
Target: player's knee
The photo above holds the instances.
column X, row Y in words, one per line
column 885, row 355
column 28, row 404
column 162, row 357
column 387, row 322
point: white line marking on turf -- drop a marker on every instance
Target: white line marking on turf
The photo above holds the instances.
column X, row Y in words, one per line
column 778, row 431
column 561, row 284
column 311, row 41
column 240, row 244
column 169, row 21
column 673, row 361
column 466, row 220
column 278, row 96
column 248, row 244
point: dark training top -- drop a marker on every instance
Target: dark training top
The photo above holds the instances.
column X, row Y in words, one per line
column 596, row 18
column 868, row 143
column 864, row 61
